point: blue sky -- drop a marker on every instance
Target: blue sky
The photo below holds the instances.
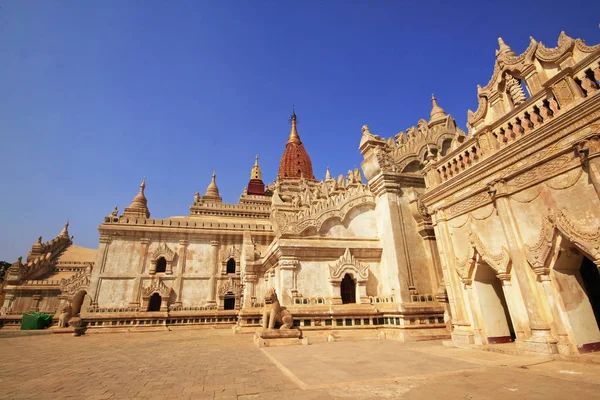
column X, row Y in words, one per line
column 95, row 95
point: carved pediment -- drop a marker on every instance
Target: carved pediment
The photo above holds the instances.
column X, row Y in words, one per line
column 231, row 286
column 77, row 282
column 347, row 263
column 230, row 252
column 510, row 70
column 163, row 251
column 156, row 286
column 335, row 206
column 479, row 252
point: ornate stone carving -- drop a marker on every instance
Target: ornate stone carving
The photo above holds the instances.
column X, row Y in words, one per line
column 347, row 263
column 157, row 286
column 77, row 282
column 588, row 241
column 230, row 252
column 274, row 315
column 231, row 286
column 163, row 251
column 478, row 251
column 65, row 314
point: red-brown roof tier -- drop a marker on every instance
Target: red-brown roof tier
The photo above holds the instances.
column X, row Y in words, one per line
column 295, row 162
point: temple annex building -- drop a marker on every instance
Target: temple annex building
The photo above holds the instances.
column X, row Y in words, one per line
column 486, row 236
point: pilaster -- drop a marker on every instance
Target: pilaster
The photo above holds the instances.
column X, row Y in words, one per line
column 392, row 232
column 136, row 291
column 541, row 340
column 215, row 270
column 287, row 267
column 181, row 259
column 104, row 243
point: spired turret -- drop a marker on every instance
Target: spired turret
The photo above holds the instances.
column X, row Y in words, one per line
column 295, row 162
column 212, row 192
column 437, row 112
column 256, row 186
column 139, row 206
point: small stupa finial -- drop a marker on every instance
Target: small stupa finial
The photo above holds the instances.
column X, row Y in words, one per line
column 437, row 112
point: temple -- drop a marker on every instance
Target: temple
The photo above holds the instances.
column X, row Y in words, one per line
column 482, row 237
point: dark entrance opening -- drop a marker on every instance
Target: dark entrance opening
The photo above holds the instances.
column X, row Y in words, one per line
column 229, row 303
column 348, row 288
column 591, row 283
column 231, row 266
column 161, row 265
column 154, row 303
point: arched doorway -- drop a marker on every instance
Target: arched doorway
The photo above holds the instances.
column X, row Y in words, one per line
column 231, row 266
column 591, row 283
column 497, row 324
column 577, row 281
column 161, row 265
column 77, row 302
column 348, row 289
column 229, row 302
column 154, row 302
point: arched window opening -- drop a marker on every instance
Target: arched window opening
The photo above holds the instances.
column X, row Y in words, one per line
column 446, row 144
column 161, row 265
column 348, row 289
column 577, row 281
column 231, row 266
column 229, row 302
column 154, row 303
column 591, row 282
column 413, row 166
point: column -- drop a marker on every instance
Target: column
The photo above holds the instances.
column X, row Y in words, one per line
column 215, row 270
column 541, row 339
column 181, row 259
column 136, row 290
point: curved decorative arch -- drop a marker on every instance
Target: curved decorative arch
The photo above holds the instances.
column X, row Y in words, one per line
column 500, row 263
column 348, row 264
column 333, row 208
column 157, row 286
column 230, row 252
column 165, row 252
column 558, row 223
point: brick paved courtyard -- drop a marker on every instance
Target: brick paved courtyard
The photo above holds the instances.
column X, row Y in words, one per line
column 215, row 364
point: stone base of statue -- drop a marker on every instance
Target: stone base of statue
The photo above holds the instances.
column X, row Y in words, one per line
column 277, row 337
column 75, row 326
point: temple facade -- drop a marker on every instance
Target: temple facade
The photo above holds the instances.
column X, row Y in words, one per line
column 486, row 237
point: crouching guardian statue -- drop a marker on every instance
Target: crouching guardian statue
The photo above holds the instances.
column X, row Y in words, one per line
column 275, row 316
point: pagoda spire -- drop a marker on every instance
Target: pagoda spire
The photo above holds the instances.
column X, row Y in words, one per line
column 139, row 205
column 295, row 162
column 504, row 49
column 256, row 173
column 65, row 231
column 256, row 186
column 437, row 112
column 294, row 137
column 212, row 191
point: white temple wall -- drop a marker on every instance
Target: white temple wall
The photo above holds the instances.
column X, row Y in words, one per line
column 115, row 292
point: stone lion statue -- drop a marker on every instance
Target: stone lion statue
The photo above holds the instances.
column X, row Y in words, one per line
column 65, row 315
column 275, row 316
